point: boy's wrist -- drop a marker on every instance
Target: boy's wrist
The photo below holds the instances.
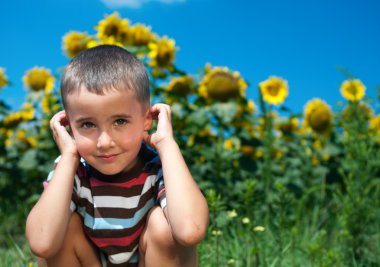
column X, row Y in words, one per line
column 70, row 158
column 165, row 144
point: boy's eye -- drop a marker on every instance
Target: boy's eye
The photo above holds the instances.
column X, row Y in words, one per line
column 119, row 122
column 87, row 125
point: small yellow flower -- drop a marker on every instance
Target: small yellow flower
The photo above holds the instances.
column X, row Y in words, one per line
column 274, row 90
column 278, row 154
column 191, row 140
column 232, row 214
column 75, row 42
column 250, row 107
column 315, row 161
column 228, row 144
column 162, row 53
column 112, row 30
column 221, row 84
column 3, row 78
column 39, row 78
column 352, row 90
column 325, row 156
column 246, row 220
column 141, row 35
column 317, row 145
column 259, row 228
column 231, row 262
column 181, row 85
column 216, row 232
column 259, row 154
column 318, row 116
column 8, row 143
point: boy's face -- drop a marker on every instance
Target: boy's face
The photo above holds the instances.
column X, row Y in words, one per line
column 108, row 129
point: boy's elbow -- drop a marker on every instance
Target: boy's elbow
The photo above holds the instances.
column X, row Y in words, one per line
column 191, row 234
column 42, row 248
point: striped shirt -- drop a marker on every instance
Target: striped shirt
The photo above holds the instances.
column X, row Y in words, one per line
column 115, row 207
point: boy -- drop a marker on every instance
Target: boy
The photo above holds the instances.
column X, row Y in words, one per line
column 108, row 175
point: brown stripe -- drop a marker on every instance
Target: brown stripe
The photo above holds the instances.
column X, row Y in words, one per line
column 115, row 212
column 115, row 233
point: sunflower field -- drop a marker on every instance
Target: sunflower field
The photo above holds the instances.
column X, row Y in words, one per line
column 283, row 188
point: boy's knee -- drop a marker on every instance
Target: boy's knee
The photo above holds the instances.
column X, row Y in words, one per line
column 76, row 249
column 158, row 230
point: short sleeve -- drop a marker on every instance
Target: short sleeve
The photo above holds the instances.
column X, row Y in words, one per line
column 160, row 189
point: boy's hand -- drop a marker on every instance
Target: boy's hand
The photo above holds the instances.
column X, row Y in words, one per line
column 164, row 132
column 62, row 138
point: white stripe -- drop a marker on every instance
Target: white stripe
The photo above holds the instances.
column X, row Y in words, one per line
column 116, row 202
column 163, row 203
column 72, row 206
column 84, row 192
column 121, row 257
column 121, row 202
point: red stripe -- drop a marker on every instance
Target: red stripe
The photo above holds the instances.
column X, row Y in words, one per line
column 135, row 181
column 121, row 241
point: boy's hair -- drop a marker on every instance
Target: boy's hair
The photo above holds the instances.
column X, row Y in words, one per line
column 106, row 67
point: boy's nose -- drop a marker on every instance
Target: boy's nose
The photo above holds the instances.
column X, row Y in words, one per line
column 104, row 141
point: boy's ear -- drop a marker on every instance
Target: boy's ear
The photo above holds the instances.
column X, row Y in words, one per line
column 148, row 121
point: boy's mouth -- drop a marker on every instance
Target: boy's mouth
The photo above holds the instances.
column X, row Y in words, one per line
column 108, row 157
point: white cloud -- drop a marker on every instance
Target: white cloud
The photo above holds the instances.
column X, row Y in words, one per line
column 135, row 3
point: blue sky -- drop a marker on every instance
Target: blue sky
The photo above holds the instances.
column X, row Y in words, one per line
column 302, row 41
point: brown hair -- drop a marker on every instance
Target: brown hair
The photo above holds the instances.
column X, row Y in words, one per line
column 106, row 67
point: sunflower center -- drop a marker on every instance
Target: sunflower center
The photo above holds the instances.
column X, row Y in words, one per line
column 181, row 88
column 37, row 81
column 223, row 86
column 352, row 90
column 163, row 57
column 320, row 120
column 111, row 30
column 273, row 90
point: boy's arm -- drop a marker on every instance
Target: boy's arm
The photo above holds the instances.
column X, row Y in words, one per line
column 47, row 222
column 186, row 210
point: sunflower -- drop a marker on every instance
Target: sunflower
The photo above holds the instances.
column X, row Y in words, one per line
column 28, row 140
column 74, row 42
column 14, row 119
column 181, row 85
column 162, row 53
column 274, row 90
column 49, row 104
column 3, row 78
column 374, row 124
column 141, row 35
column 248, row 150
column 39, row 78
column 352, row 90
column 222, row 85
column 318, row 116
column 114, row 28
column 360, row 110
column 287, row 125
